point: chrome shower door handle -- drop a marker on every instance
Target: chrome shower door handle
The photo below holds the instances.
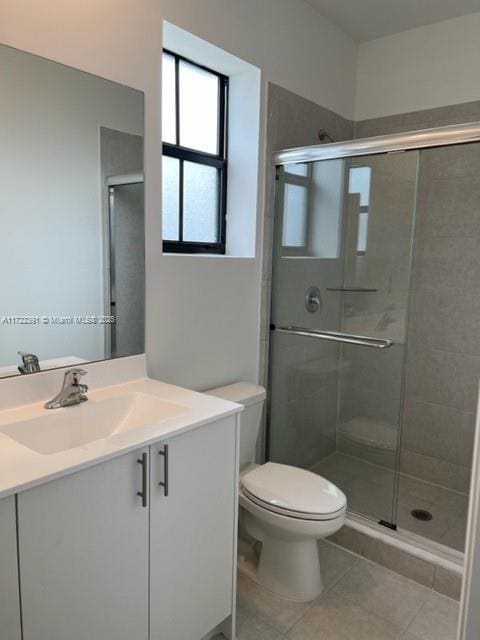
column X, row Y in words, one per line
column 336, row 336
column 165, row 454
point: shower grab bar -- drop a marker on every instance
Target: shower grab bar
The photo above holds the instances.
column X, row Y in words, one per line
column 335, row 336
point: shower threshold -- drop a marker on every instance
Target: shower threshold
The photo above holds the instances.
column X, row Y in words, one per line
column 410, row 543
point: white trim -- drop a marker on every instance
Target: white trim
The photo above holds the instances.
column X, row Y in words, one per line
column 416, row 546
column 469, row 622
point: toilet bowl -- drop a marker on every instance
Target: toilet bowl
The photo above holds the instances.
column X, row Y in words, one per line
column 288, row 510
column 284, row 508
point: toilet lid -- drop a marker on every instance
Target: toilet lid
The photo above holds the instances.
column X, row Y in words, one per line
column 293, row 490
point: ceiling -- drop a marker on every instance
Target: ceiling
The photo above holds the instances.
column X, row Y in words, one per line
column 369, row 19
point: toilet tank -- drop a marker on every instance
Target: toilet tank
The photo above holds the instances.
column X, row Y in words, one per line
column 252, row 397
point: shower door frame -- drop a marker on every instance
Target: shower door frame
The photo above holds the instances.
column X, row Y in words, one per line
column 120, row 180
column 391, row 143
column 378, row 145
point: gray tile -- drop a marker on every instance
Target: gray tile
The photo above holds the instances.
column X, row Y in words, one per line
column 426, row 118
column 380, row 126
column 436, row 431
column 447, row 261
column 442, row 377
column 278, row 613
column 334, row 563
column 411, row 489
column 464, row 478
column 449, row 206
column 446, row 318
column 295, row 121
column 437, row 619
column 355, row 541
column 369, row 488
column 455, row 161
column 448, row 508
column 455, row 536
column 448, row 583
column 333, row 617
column 432, row 529
column 404, row 564
column 383, row 592
column 428, row 468
column 253, row 627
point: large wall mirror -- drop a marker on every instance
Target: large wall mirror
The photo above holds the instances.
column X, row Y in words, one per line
column 72, row 247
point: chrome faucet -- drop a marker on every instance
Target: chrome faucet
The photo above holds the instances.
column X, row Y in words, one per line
column 72, row 392
column 29, row 364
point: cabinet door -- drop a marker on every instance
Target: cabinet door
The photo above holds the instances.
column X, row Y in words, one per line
column 83, row 544
column 192, row 532
column 9, row 600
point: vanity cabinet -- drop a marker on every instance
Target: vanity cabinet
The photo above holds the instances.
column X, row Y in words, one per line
column 140, row 547
column 83, row 549
column 9, row 593
column 192, row 515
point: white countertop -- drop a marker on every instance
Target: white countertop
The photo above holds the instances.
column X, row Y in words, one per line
column 22, row 468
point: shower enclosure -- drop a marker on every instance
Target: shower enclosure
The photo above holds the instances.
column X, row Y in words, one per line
column 353, row 253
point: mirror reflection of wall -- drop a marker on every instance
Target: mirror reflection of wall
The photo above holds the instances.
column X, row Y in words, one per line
column 72, row 244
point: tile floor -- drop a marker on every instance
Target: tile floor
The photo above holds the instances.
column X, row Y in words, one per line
column 370, row 491
column 361, row 601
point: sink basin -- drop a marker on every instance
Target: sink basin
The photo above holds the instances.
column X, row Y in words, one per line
column 62, row 429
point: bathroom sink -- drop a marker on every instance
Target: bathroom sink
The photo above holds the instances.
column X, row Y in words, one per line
column 58, row 430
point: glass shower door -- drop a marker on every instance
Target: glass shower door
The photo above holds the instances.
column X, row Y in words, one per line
column 341, row 277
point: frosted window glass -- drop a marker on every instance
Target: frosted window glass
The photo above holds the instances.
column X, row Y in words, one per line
column 295, row 216
column 199, row 91
column 170, row 209
column 200, row 203
column 360, row 178
column 168, row 99
column 297, row 169
column 362, row 232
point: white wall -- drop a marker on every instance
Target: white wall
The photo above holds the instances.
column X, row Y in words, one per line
column 288, row 39
column 428, row 67
column 202, row 313
column 51, row 210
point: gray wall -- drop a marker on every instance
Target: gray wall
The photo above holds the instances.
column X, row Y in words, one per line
column 443, row 355
column 305, row 386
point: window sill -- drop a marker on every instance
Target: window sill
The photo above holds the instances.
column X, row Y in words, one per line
column 215, row 256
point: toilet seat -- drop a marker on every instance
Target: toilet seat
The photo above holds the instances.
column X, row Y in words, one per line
column 293, row 492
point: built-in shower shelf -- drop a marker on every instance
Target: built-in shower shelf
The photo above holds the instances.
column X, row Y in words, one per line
column 352, row 289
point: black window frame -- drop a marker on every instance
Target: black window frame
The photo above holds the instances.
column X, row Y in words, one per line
column 218, row 160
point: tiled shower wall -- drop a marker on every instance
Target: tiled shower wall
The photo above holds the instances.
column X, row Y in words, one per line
column 294, row 121
column 443, row 354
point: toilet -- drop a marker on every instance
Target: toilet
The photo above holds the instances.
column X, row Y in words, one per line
column 284, row 508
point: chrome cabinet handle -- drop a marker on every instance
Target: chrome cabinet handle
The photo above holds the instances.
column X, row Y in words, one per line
column 143, row 494
column 164, row 484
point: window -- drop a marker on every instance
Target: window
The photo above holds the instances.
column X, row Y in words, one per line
column 194, row 107
column 359, row 183
column 296, row 205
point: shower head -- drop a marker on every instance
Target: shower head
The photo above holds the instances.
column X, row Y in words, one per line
column 323, row 135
